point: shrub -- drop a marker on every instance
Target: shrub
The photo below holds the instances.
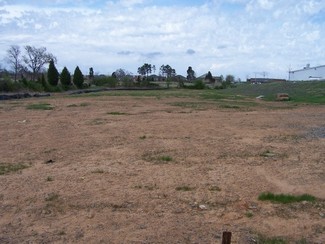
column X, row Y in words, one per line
column 198, row 84
column 105, row 81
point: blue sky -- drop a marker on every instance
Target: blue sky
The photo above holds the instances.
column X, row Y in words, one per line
column 239, row 37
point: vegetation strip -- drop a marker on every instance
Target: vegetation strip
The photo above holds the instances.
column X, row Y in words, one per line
column 7, row 168
column 285, row 198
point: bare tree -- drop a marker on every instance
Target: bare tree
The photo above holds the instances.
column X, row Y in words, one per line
column 36, row 58
column 13, row 59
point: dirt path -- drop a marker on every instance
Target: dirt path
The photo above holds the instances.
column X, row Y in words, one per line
column 146, row 170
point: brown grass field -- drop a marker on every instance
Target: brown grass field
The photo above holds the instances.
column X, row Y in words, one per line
column 159, row 169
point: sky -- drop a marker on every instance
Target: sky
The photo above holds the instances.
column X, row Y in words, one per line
column 244, row 38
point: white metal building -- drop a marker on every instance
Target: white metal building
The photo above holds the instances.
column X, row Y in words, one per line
column 308, row 73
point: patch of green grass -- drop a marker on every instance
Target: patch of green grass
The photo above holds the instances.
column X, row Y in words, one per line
column 184, row 188
column 249, row 214
column 285, row 198
column 8, row 168
column 165, row 158
column 116, row 113
column 270, row 240
column 229, row 106
column 98, row 171
column 40, row 106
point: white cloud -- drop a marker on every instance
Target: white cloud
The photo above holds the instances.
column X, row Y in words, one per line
column 228, row 36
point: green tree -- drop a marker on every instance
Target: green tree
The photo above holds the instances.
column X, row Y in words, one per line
column 209, row 77
column 78, row 78
column 65, row 77
column 146, row 69
column 190, row 74
column 91, row 73
column 167, row 71
column 52, row 74
column 230, row 79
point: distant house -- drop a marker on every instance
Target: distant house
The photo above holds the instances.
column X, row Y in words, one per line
column 308, row 73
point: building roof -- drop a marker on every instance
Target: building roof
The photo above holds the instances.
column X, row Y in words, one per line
column 307, row 68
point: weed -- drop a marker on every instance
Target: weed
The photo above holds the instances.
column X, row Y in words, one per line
column 184, row 188
column 61, row 233
column 52, row 197
column 214, row 188
column 49, row 178
column 249, row 214
column 267, row 153
column 285, row 198
column 40, row 106
column 142, row 137
column 98, row 171
column 7, row 168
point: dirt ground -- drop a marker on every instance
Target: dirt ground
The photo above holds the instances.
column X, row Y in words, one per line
column 120, row 169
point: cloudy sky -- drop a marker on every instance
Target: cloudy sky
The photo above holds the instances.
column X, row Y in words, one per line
column 240, row 37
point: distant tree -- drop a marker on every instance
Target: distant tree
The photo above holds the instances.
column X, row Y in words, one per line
column 209, row 77
column 78, row 78
column 121, row 74
column 145, row 69
column 43, row 81
column 36, row 58
column 167, row 71
column 65, row 77
column 190, row 74
column 13, row 59
column 91, row 72
column 52, row 74
column 230, row 79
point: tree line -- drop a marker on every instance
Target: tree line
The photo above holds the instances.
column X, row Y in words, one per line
column 31, row 60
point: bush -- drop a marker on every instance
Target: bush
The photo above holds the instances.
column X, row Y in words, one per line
column 198, row 84
column 108, row 81
column 8, row 86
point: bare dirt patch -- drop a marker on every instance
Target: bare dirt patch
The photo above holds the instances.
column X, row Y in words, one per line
column 169, row 170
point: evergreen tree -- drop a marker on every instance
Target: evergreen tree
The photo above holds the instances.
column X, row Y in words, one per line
column 52, row 74
column 65, row 77
column 78, row 78
column 190, row 74
column 91, row 73
column 43, row 81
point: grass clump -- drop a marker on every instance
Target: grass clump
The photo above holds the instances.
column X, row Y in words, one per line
column 165, row 158
column 98, row 171
column 52, row 197
column 143, row 137
column 184, row 188
column 49, row 178
column 40, row 106
column 285, row 198
column 8, row 168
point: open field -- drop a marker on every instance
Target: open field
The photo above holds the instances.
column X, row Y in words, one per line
column 170, row 166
